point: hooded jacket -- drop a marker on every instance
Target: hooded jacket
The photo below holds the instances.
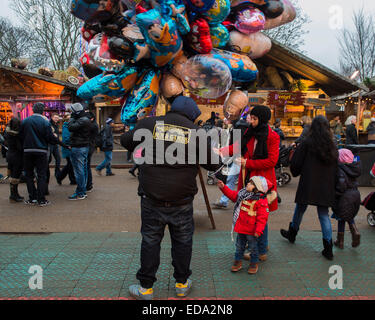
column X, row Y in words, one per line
column 158, row 179
column 79, row 127
column 348, row 198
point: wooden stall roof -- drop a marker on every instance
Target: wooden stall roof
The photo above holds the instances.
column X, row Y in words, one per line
column 16, row 82
column 288, row 59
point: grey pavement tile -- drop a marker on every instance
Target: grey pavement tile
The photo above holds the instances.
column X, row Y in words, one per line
column 11, row 293
column 95, row 292
column 48, row 293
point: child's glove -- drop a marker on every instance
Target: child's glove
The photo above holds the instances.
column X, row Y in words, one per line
column 220, row 184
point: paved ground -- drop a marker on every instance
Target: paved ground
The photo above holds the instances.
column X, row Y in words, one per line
column 114, row 207
column 103, row 265
column 91, row 249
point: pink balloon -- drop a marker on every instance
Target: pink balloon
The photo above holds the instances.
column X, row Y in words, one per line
column 250, row 20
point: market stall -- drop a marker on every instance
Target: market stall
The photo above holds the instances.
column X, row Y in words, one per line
column 20, row 89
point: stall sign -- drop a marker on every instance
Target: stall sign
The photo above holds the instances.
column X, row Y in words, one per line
column 286, row 98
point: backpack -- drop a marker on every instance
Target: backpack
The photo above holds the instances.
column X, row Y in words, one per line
column 99, row 139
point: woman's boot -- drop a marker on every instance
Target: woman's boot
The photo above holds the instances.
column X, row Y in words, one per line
column 290, row 234
column 14, row 196
column 327, row 252
column 356, row 236
column 340, row 240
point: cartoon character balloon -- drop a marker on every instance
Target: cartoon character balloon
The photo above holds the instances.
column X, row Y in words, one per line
column 206, row 76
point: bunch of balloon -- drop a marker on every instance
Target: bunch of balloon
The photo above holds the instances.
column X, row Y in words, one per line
column 139, row 50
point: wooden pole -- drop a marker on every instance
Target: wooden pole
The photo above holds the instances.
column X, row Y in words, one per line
column 359, row 111
column 206, row 198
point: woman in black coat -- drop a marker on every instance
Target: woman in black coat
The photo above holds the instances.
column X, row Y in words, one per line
column 14, row 157
column 351, row 133
column 315, row 160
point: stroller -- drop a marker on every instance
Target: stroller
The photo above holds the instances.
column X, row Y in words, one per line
column 283, row 177
column 369, row 204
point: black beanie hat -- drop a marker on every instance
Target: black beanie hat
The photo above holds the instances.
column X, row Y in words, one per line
column 38, row 108
column 263, row 113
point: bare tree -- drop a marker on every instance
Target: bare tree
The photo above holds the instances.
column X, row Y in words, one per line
column 56, row 31
column 14, row 42
column 292, row 34
column 357, row 46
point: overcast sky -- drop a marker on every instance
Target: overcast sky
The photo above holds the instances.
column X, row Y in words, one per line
column 321, row 43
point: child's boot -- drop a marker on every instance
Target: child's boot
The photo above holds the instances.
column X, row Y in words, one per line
column 356, row 236
column 253, row 268
column 237, row 266
column 340, row 240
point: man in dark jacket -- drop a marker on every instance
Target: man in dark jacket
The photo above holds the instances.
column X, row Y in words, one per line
column 79, row 127
column 36, row 133
column 94, row 131
column 167, row 190
column 107, row 148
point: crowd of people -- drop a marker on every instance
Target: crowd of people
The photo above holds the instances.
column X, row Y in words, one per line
column 327, row 172
column 31, row 145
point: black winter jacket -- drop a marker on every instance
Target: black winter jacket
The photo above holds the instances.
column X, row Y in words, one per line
column 351, row 134
column 79, row 127
column 317, row 182
column 348, row 198
column 168, row 182
column 107, row 138
column 36, row 133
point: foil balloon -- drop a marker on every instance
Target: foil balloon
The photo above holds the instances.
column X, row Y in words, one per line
column 218, row 12
column 241, row 67
column 178, row 66
column 200, row 6
column 94, row 10
column 287, row 16
column 219, row 36
column 131, row 4
column 250, row 20
column 162, row 38
column 142, row 98
column 200, row 37
column 206, row 77
column 171, row 86
column 234, row 104
column 255, row 45
column 273, row 9
column 112, row 84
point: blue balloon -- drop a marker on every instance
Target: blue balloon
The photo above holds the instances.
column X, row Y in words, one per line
column 142, row 98
column 112, row 85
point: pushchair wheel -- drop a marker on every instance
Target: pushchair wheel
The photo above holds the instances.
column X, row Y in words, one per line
column 371, row 219
column 287, row 177
column 280, row 181
column 210, row 181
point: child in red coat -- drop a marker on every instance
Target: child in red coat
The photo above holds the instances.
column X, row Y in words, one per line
column 250, row 217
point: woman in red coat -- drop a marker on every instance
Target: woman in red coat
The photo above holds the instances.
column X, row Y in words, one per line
column 259, row 156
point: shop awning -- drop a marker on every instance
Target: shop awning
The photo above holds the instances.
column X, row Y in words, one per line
column 288, row 59
column 16, row 83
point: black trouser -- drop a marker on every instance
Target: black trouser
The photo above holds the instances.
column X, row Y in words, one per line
column 89, row 171
column 39, row 161
column 67, row 170
column 15, row 164
column 181, row 228
column 56, row 154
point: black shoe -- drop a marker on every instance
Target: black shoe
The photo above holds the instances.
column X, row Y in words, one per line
column 14, row 196
column 90, row 189
column 110, row 174
column 132, row 172
column 59, row 182
column 290, row 234
column 327, row 252
column 31, row 202
column 44, row 203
